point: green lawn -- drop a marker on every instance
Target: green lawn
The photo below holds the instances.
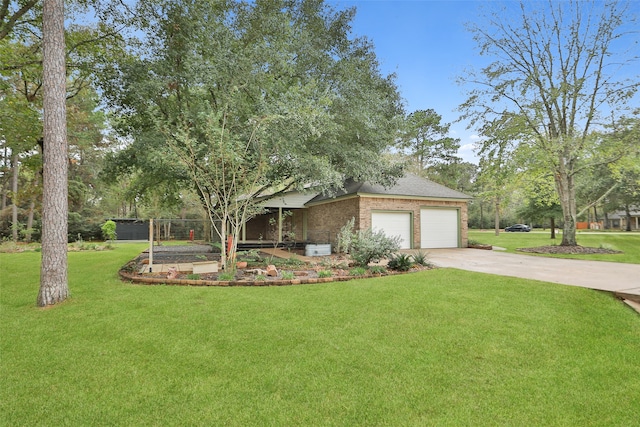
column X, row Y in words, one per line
column 628, row 243
column 440, row 347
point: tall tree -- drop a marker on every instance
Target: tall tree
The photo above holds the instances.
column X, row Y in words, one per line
column 558, row 68
column 425, row 139
column 53, row 272
column 255, row 97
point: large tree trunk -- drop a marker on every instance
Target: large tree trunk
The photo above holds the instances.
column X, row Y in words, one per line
column 53, row 271
column 553, row 227
column 627, row 217
column 567, row 195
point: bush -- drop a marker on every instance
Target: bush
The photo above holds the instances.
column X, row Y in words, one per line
column 400, row 262
column 109, row 230
column 345, row 237
column 371, row 246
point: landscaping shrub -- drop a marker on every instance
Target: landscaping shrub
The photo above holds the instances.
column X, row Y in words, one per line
column 109, row 230
column 371, row 246
column 400, row 262
column 420, row 258
column 345, row 236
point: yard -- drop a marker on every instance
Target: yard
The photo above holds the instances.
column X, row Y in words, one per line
column 627, row 243
column 438, row 347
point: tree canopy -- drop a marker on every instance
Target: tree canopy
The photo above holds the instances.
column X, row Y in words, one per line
column 270, row 94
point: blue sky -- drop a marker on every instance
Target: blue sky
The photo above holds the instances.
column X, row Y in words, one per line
column 426, row 44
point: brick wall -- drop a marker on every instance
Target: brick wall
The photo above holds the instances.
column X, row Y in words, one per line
column 330, row 217
column 325, row 221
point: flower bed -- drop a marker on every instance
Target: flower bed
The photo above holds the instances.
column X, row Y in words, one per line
column 291, row 271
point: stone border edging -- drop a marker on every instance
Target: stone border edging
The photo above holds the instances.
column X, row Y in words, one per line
column 282, row 282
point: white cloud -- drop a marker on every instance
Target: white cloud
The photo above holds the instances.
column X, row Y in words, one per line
column 467, row 153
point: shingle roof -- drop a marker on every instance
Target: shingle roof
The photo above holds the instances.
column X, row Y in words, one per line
column 407, row 186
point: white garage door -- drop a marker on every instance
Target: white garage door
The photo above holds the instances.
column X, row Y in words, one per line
column 394, row 224
column 439, row 228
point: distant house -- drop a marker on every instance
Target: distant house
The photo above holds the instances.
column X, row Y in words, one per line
column 618, row 219
column 423, row 213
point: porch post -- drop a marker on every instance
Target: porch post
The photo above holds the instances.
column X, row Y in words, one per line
column 150, row 245
column 279, row 224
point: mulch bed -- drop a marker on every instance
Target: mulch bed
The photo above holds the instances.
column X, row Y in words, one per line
column 568, row 250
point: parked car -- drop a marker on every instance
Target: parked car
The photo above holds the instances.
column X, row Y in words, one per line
column 518, row 227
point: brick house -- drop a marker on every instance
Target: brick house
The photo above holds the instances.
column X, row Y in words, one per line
column 424, row 214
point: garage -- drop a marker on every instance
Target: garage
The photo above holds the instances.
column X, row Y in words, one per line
column 394, row 224
column 439, row 228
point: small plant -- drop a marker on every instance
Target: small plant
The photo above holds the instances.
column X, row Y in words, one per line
column 420, row 258
column 225, row 277
column 109, row 230
column 358, row 271
column 288, row 275
column 377, row 269
column 193, row 276
column 324, row 273
column 202, row 257
column 294, row 262
column 130, row 267
column 400, row 262
column 329, row 263
column 252, row 255
column 261, row 277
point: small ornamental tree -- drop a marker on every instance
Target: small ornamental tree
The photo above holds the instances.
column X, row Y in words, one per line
column 109, row 230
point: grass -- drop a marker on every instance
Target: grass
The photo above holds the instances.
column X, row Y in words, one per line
column 439, row 347
column 628, row 243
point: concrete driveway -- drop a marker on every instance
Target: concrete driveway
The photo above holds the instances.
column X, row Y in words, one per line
column 607, row 276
